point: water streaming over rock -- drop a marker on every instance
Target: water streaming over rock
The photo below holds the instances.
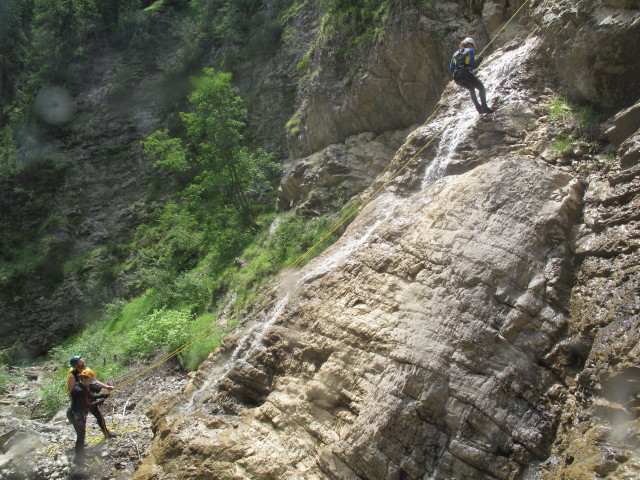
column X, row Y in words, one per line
column 457, row 120
column 459, row 116
column 425, row 342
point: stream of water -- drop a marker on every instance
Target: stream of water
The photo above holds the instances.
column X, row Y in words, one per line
column 458, row 122
column 458, row 125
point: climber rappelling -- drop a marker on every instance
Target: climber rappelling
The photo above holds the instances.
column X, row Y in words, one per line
column 462, row 64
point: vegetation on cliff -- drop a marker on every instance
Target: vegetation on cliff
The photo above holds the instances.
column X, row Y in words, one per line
column 202, row 243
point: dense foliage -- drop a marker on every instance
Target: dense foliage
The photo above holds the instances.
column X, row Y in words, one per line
column 207, row 243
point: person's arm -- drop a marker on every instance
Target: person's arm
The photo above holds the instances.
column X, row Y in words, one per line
column 96, row 398
column 71, row 381
column 104, row 385
column 472, row 58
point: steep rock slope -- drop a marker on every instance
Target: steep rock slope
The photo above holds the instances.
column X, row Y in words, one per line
column 395, row 358
column 600, row 426
column 446, row 334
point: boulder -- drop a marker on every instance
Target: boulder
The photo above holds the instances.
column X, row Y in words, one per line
column 624, row 124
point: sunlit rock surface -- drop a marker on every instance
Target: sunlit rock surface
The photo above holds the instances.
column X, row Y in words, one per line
column 477, row 320
column 411, row 347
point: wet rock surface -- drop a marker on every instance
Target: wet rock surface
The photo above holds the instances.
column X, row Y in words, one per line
column 389, row 339
column 599, row 431
column 477, row 320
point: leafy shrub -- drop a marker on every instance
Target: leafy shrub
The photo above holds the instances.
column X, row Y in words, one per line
column 121, row 316
column 209, row 337
column 6, row 378
column 164, row 329
column 53, row 397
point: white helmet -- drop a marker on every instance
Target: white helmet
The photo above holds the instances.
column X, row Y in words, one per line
column 470, row 40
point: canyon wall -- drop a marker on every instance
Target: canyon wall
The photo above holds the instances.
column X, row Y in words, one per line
column 478, row 319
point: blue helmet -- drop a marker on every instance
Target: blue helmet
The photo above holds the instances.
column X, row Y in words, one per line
column 74, row 360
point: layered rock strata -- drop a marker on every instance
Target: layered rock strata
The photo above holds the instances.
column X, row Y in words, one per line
column 599, row 434
column 410, row 348
column 462, row 327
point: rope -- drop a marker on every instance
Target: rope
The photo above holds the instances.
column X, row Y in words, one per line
column 503, row 27
column 358, row 205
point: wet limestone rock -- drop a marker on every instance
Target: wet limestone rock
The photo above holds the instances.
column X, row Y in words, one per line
column 599, row 432
column 412, row 347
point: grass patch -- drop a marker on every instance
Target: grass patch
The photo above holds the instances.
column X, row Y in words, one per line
column 560, row 109
column 580, row 123
column 563, row 145
column 209, row 337
column 125, row 315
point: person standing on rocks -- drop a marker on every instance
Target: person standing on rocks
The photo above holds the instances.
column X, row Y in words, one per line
column 462, row 64
column 82, row 400
column 77, row 367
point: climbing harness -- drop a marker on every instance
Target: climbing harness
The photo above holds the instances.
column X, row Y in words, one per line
column 462, row 62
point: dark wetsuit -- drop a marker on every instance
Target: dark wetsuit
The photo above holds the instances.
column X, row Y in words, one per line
column 462, row 64
column 82, row 400
column 94, row 409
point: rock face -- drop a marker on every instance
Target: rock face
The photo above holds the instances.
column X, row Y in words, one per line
column 327, row 179
column 395, row 358
column 600, row 426
column 392, row 87
column 80, row 214
column 468, row 322
column 589, row 43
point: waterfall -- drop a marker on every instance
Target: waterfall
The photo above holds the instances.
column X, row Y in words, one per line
column 458, row 120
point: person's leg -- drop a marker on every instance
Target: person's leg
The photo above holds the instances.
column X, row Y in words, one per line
column 72, row 420
column 80, row 426
column 474, row 99
column 475, row 83
column 95, row 410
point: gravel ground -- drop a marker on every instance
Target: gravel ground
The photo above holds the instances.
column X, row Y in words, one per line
column 36, row 448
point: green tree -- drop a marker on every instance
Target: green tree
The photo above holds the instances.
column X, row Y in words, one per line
column 63, row 32
column 14, row 17
column 223, row 167
column 8, row 152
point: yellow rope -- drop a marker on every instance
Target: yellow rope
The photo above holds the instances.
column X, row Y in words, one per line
column 357, row 206
column 503, row 27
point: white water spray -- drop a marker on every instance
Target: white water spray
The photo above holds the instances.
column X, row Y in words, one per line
column 458, row 123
